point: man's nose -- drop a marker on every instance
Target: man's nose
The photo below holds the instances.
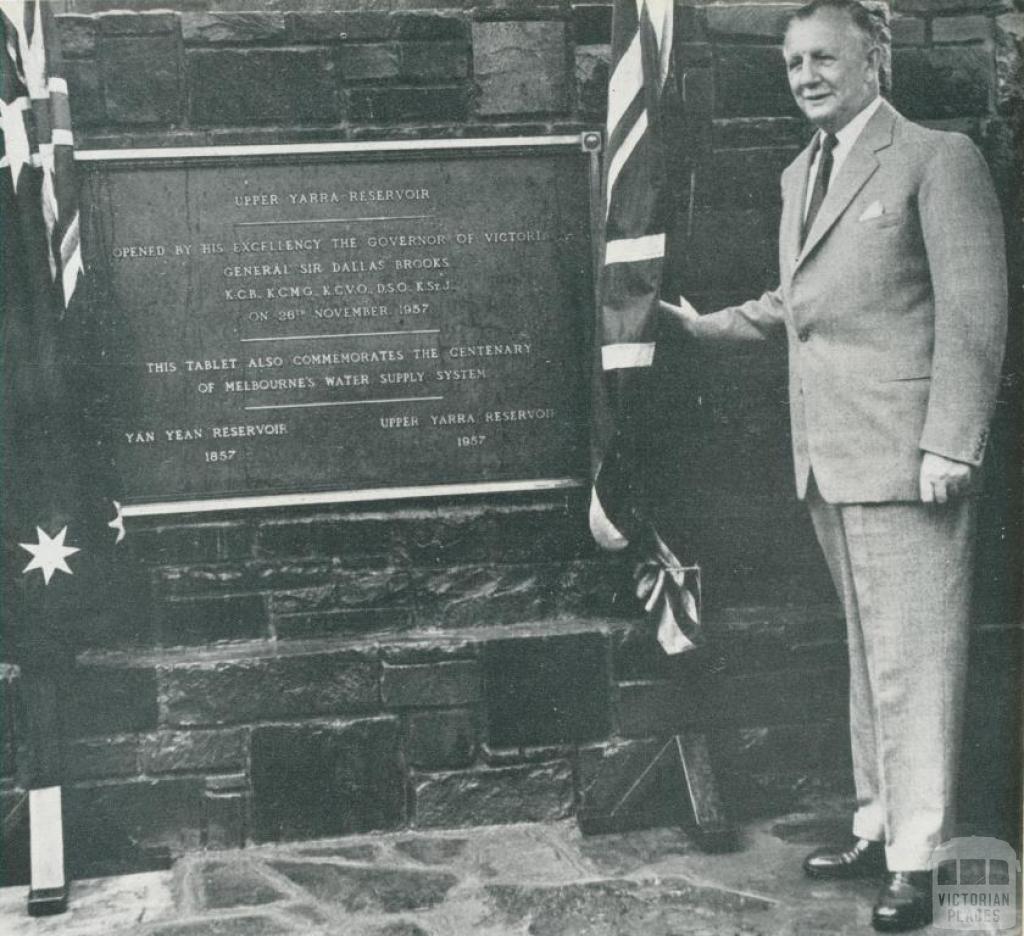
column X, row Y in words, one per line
column 807, row 74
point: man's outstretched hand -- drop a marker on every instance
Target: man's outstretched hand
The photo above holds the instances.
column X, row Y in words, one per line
column 943, row 479
column 684, row 314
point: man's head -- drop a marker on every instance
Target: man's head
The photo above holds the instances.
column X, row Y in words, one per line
column 832, row 58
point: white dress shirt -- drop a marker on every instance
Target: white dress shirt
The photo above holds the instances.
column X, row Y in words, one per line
column 846, row 137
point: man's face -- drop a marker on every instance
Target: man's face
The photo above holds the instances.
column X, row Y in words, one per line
column 832, row 72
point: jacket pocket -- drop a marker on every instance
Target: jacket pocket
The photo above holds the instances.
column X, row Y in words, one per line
column 882, row 221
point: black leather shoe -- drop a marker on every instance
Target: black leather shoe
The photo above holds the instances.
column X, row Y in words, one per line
column 862, row 859
column 904, row 903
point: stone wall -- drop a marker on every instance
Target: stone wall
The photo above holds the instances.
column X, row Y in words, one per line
column 293, row 673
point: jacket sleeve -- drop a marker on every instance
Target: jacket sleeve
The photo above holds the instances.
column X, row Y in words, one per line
column 962, row 228
column 756, row 320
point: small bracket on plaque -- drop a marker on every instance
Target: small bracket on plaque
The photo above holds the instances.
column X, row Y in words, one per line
column 590, row 142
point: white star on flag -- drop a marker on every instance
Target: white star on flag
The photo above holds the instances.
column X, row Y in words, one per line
column 48, row 555
column 118, row 522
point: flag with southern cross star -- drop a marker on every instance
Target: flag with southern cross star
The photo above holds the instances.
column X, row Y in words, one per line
column 637, row 212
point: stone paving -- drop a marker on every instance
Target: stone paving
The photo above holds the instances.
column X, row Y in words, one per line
column 538, row 879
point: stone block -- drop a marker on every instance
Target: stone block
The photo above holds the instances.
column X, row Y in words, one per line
column 343, row 622
column 745, row 179
column 695, row 54
column 223, row 885
column 961, row 29
column 493, row 10
column 761, row 133
column 433, row 849
column 507, row 594
column 430, row 26
column 367, row 588
column 102, row 6
column 750, row 81
column 656, row 709
column 434, row 61
column 257, row 87
column 85, row 92
column 245, row 689
column 430, row 684
column 769, row 749
column 243, row 924
column 370, row 890
column 942, row 82
column 441, row 740
column 141, row 79
column 528, row 793
column 77, row 35
column 426, row 647
column 948, row 6
column 357, row 26
column 591, row 23
column 368, row 539
column 403, row 105
column 511, row 756
column 521, row 68
column 98, row 758
column 606, row 773
column 907, row 30
column 750, row 20
column 455, row 535
column 784, row 697
column 121, row 824
column 224, row 823
column 366, row 61
column 204, row 620
column 316, row 780
column 593, row 64
column 194, row 751
column 217, row 28
column 110, row 697
column 120, row 23
column 735, row 249
column 1009, row 58
column 547, row 690
column 191, row 543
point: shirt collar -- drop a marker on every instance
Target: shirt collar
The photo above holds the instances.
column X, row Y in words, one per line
column 848, row 135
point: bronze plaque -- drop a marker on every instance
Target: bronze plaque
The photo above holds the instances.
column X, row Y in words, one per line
column 341, row 322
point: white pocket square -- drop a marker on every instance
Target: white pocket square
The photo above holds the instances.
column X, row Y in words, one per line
column 875, row 210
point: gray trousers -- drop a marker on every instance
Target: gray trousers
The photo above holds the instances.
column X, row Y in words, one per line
column 903, row 572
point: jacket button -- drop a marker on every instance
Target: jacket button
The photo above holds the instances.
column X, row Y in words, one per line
column 804, row 334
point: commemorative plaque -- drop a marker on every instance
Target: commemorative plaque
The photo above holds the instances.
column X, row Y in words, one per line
column 341, row 323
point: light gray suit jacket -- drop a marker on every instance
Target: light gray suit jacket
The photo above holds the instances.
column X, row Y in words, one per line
column 894, row 310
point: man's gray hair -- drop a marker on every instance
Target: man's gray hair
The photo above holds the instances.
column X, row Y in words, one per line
column 867, row 22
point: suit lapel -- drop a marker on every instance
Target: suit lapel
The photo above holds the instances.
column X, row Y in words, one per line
column 859, row 166
column 794, row 183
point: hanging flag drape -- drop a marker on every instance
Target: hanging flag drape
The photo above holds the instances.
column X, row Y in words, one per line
column 55, row 506
column 635, row 225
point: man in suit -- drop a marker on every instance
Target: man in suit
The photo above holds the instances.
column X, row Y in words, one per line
column 893, row 302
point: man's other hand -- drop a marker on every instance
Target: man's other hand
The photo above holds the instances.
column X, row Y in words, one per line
column 684, row 313
column 942, row 479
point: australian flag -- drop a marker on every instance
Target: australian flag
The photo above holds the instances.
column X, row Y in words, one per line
column 636, row 216
column 58, row 518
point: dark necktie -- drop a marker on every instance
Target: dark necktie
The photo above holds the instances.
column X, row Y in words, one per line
column 828, row 144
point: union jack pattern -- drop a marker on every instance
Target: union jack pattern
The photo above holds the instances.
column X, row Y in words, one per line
column 37, row 141
column 636, row 218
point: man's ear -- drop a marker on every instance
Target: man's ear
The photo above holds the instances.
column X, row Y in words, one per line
column 875, row 59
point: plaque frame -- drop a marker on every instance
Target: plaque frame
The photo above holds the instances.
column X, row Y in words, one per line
column 588, row 141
